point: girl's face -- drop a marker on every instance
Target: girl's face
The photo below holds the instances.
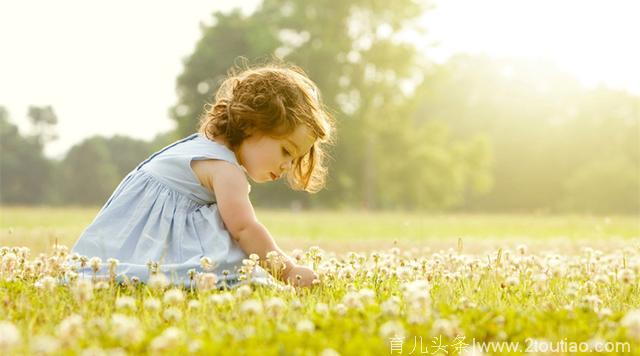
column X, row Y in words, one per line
column 265, row 158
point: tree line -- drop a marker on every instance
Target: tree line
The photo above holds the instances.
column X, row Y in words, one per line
column 471, row 134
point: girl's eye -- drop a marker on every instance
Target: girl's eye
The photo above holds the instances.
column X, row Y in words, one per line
column 285, row 152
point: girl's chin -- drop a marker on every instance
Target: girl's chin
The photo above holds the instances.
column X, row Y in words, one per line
column 260, row 179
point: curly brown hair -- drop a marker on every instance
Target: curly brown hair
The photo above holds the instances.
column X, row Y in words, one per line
column 273, row 100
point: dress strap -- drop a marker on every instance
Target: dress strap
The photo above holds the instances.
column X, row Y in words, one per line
column 190, row 137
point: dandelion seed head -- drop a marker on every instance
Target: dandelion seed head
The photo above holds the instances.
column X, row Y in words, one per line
column 251, row 307
column 243, row 291
column 9, row 335
column 158, row 281
column 126, row 302
column 391, row 329
column 152, row 304
column 173, row 296
column 172, row 314
column 305, row 326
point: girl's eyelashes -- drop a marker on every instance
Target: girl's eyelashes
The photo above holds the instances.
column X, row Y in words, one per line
column 285, row 152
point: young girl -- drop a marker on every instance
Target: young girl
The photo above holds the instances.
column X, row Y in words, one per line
column 189, row 202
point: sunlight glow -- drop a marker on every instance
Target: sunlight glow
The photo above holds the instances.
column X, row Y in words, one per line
column 597, row 41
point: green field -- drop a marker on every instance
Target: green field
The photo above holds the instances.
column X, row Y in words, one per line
column 389, row 283
column 39, row 228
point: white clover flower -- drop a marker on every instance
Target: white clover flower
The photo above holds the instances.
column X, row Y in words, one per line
column 113, row 265
column 391, row 306
column 540, row 278
column 194, row 346
column 626, row 276
column 604, row 312
column 101, row 285
column 193, row 304
column 367, row 296
column 403, row 273
column 95, row 263
column 589, row 286
column 82, row 290
column 251, row 306
column 512, row 281
column 601, row 278
column 222, row 298
column 592, row 301
column 254, row 257
column 173, row 296
column 169, row 337
column 322, row 308
column 97, row 324
column 572, row 289
column 391, row 329
column 206, row 281
column 329, row 352
column 248, row 262
column 346, row 272
column 246, row 332
column 158, row 281
column 296, row 304
column 70, row 328
column 47, row 283
column 172, row 314
column 297, row 254
column 126, row 302
column 44, row 345
column 631, row 322
column 418, row 289
column 206, row 264
column 275, row 305
column 444, row 327
column 352, row 300
column 340, row 309
column 522, row 249
column 243, row 291
column 9, row 335
column 305, row 326
column 152, row 304
column 126, row 329
column 71, row 275
column 417, row 316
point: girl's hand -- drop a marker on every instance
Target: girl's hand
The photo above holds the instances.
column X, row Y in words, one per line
column 307, row 275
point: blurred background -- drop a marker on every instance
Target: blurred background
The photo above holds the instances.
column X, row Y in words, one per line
column 441, row 106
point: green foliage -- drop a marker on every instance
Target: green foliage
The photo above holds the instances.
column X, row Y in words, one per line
column 24, row 171
column 43, row 120
column 550, row 137
column 604, row 186
column 88, row 173
column 353, row 54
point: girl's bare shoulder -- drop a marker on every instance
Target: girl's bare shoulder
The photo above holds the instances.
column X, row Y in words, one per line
column 207, row 170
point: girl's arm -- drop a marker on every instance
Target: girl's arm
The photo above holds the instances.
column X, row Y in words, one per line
column 231, row 189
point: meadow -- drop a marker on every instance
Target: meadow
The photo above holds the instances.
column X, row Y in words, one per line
column 390, row 283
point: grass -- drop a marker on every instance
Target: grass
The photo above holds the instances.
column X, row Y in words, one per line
column 386, row 279
column 39, row 228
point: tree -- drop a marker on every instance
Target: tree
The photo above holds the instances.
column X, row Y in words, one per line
column 88, row 173
column 351, row 49
column 43, row 120
column 24, row 171
column 550, row 136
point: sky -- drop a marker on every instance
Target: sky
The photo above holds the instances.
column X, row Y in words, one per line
column 110, row 67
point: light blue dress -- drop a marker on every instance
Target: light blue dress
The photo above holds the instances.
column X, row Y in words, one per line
column 161, row 213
